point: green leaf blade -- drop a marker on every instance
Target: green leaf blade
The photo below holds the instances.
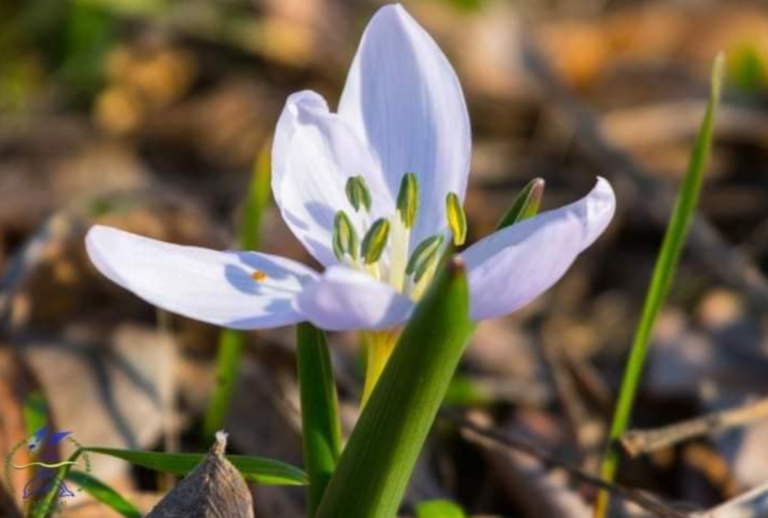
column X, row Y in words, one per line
column 377, row 462
column 104, row 494
column 262, row 471
column 257, row 202
column 321, row 426
column 229, row 352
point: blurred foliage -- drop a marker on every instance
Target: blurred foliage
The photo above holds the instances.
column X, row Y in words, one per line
column 439, row 509
column 64, row 42
column 746, row 68
column 467, row 5
column 465, row 391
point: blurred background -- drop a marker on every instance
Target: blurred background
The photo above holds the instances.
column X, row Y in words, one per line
column 149, row 114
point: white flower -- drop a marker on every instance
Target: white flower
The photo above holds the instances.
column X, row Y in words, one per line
column 338, row 176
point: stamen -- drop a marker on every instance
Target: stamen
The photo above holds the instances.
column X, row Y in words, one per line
column 375, row 241
column 408, row 200
column 425, row 254
column 345, row 240
column 402, row 222
column 259, row 276
column 428, row 273
column 457, row 219
column 358, row 193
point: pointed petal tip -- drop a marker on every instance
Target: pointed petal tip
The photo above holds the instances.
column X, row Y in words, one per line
column 96, row 232
column 603, row 187
column 394, row 9
column 403, row 97
column 515, row 265
column 600, row 208
column 393, row 16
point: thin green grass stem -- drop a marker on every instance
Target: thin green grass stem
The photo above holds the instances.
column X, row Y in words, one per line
column 663, row 275
column 231, row 342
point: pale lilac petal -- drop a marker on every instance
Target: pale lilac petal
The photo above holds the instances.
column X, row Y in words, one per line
column 510, row 268
column 344, row 299
column 215, row 287
column 313, row 155
column 403, row 98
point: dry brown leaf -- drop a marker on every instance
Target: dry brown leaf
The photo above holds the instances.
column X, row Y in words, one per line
column 16, row 384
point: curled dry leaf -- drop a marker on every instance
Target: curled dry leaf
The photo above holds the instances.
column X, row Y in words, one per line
column 215, row 489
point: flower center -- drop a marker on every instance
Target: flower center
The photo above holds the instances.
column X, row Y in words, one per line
column 384, row 252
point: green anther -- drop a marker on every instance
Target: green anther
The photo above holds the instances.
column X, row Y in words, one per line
column 358, row 193
column 408, row 200
column 457, row 219
column 525, row 205
column 424, row 255
column 345, row 239
column 375, row 241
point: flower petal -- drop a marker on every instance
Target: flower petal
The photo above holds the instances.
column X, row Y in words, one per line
column 344, row 299
column 513, row 266
column 403, row 98
column 313, row 155
column 215, row 287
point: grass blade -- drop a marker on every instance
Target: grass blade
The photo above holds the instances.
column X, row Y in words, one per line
column 321, row 427
column 266, row 472
column 104, row 494
column 45, row 507
column 231, row 342
column 36, row 412
column 439, row 509
column 257, row 202
column 525, row 205
column 228, row 355
column 377, row 462
column 663, row 274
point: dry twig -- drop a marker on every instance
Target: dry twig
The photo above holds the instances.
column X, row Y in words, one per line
column 751, row 504
column 522, row 445
column 638, row 442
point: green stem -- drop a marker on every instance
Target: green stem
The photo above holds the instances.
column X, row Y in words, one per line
column 230, row 351
column 663, row 274
column 319, row 412
column 379, row 346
